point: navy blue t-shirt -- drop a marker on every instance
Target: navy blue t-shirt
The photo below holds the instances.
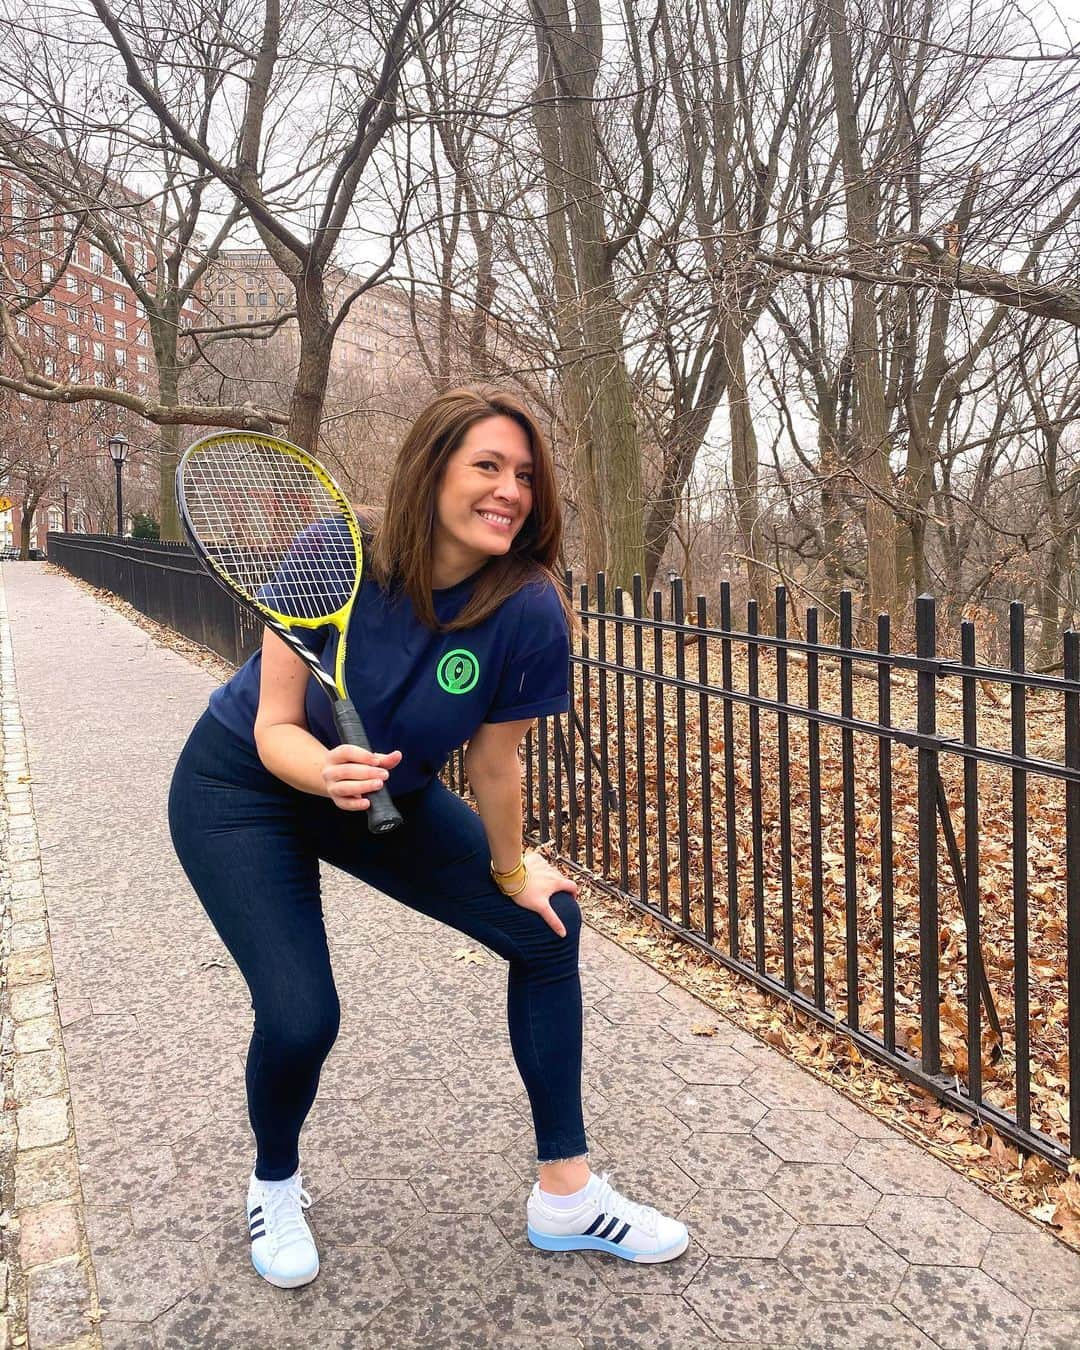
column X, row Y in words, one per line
column 421, row 692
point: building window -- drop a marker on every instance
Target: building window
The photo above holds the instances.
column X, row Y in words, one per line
column 97, row 294
column 73, row 342
column 281, row 297
column 97, row 260
column 49, row 332
column 121, row 303
column 99, row 351
column 121, row 356
column 74, row 313
column 22, row 325
column 99, row 378
column 20, row 262
column 49, row 305
column 56, row 518
column 50, row 366
column 48, row 271
column 121, row 384
column 263, row 298
column 117, row 275
column 143, row 364
column 99, row 323
column 221, row 297
column 120, row 330
column 73, row 282
column 232, row 297
column 249, row 296
column 141, row 337
column 250, row 317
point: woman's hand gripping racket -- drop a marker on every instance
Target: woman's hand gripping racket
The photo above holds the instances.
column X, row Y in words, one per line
column 269, row 523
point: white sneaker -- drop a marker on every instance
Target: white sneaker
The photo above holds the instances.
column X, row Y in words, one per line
column 282, row 1248
column 605, row 1221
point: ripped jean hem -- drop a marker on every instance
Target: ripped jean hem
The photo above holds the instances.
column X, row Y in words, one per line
column 577, row 1157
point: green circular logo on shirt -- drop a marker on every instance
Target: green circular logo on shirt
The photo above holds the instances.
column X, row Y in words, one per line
column 458, row 671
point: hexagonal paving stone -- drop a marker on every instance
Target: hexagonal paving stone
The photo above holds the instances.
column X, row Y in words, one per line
column 723, row 1110
column 841, row 1264
column 822, row 1193
column 962, row 1308
column 929, row 1230
column 804, row 1136
column 472, row 1185
column 354, row 1285
column 644, row 1125
column 681, row 1026
column 727, row 1160
column 127, row 1335
column 631, row 1008
column 443, row 1315
column 779, row 1083
column 751, row 1301
column 420, row 1103
column 369, row 1213
column 140, row 1278
column 545, row 1291
column 1041, row 1271
column 1053, row 1331
column 661, row 1322
column 362, row 1148
column 721, row 1065
column 737, row 1223
column 483, row 1126
column 450, row 1248
column 897, row 1167
column 986, row 1209
column 630, row 1080
column 862, row 1326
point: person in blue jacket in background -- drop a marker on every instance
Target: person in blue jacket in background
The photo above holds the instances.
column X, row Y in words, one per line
column 460, row 633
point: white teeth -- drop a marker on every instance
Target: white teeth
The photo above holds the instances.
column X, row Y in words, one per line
column 497, row 520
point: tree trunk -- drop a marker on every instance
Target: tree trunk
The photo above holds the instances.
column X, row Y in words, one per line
column 870, row 460
column 744, row 473
column 607, row 453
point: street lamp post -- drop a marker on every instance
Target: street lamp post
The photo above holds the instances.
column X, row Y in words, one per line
column 118, row 448
column 64, row 493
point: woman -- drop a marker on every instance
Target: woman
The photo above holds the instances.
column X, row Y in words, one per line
column 459, row 633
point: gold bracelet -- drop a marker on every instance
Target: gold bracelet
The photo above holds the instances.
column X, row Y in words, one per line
column 504, row 879
column 524, row 883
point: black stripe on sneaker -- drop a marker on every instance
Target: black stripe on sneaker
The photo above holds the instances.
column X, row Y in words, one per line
column 257, row 1232
column 612, row 1225
column 255, row 1212
column 621, row 1233
column 594, row 1225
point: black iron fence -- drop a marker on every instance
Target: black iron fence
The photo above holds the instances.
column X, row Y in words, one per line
column 164, row 581
column 888, row 841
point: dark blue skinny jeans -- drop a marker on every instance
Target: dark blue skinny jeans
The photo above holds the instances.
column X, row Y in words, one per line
column 251, row 847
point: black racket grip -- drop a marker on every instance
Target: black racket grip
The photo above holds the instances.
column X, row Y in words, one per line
column 382, row 815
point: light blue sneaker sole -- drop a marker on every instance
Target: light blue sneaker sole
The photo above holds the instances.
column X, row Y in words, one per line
column 581, row 1243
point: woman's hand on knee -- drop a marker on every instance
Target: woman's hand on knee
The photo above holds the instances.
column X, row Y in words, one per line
column 543, row 881
column 351, row 775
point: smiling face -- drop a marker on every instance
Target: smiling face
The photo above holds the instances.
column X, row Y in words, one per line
column 483, row 500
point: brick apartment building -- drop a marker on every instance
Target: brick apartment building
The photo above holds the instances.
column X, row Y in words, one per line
column 87, row 326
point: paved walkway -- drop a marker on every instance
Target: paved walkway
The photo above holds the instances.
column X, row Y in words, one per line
column 814, row 1225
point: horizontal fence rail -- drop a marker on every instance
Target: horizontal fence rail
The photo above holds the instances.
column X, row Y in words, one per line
column 887, row 840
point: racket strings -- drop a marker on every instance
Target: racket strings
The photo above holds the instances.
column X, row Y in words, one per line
column 266, row 521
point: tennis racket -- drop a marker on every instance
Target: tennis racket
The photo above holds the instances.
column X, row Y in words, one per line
column 269, row 523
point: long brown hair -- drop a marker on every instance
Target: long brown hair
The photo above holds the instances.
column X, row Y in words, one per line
column 400, row 552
